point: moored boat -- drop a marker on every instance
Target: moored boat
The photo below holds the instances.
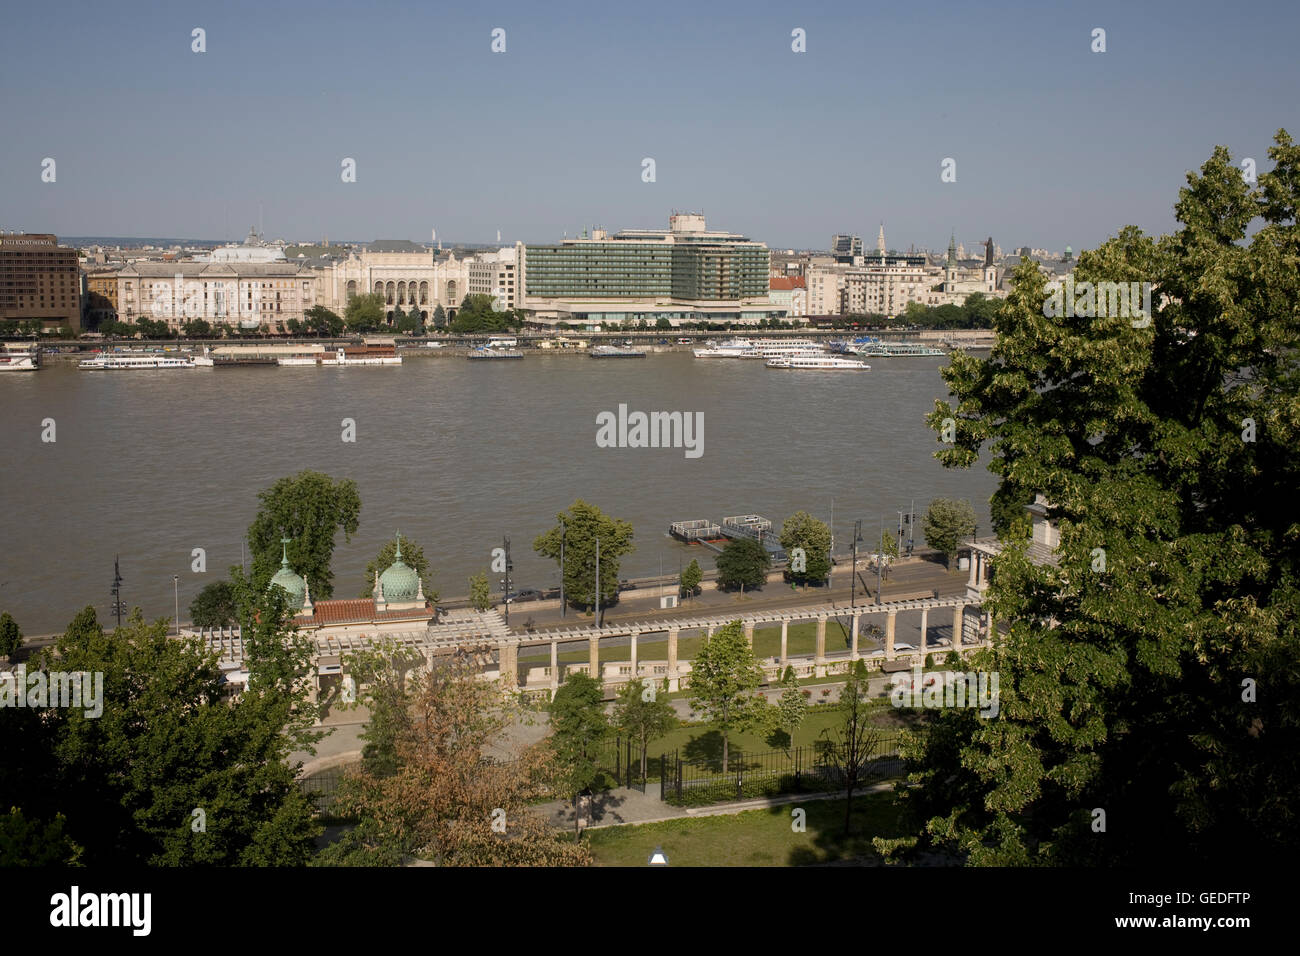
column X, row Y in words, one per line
column 818, row 363
column 20, row 358
column 134, row 361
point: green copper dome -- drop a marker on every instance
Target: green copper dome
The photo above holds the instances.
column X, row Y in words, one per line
column 294, row 586
column 400, row 583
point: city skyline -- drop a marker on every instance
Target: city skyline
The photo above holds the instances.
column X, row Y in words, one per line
column 543, row 139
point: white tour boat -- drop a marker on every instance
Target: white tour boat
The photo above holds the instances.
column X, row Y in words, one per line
column 732, row 348
column 820, row 363
column 20, row 358
column 135, row 361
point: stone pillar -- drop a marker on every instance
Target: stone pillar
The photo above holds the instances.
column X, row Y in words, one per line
column 889, row 635
column 672, row 659
column 925, row 626
column 956, row 626
column 819, row 662
column 785, row 633
column 593, row 649
column 854, row 653
column 993, row 629
column 974, row 566
column 313, row 684
column 508, row 655
column 708, row 635
column 749, row 633
column 635, row 635
column 555, row 665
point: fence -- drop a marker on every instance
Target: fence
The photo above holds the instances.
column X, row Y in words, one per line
column 323, row 787
column 697, row 782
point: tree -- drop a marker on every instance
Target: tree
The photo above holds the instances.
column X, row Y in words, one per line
column 743, row 563
column 640, row 713
column 888, row 544
column 946, row 524
column 724, row 676
column 578, row 725
column 293, row 327
column 11, row 638
column 691, row 577
column 412, row 556
column 214, row 606
column 663, row 323
column 792, row 707
column 322, row 321
column 450, row 800
column 852, row 745
column 585, row 523
column 1161, row 444
column 308, row 508
column 198, row 329
column 364, row 313
column 480, row 595
column 802, row 530
column 155, row 739
column 439, row 316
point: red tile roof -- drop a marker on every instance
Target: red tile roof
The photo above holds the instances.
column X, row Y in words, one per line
column 361, row 611
column 781, row 284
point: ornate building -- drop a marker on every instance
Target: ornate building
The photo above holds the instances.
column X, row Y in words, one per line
column 406, row 275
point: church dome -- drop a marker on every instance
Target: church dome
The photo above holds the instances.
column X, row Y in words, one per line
column 399, row 583
column 294, row 586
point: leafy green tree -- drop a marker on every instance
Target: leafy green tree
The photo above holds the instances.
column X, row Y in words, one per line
column 852, row 745
column 691, row 577
column 385, row 690
column 198, row 329
column 308, row 508
column 663, row 323
column 585, row 523
column 439, row 316
column 412, row 556
column 802, row 530
column 946, row 524
column 214, row 606
column 642, row 714
column 743, row 563
column 11, row 638
column 724, row 676
column 480, row 595
column 364, row 313
column 26, row 842
column 888, row 544
column 1162, row 444
column 157, row 740
column 791, row 708
column 578, row 725
column 322, row 321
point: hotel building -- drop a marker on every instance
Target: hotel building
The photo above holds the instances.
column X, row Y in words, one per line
column 40, row 281
column 684, row 274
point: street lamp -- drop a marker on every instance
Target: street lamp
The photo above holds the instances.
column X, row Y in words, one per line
column 853, row 577
column 176, row 595
column 117, row 592
column 564, row 533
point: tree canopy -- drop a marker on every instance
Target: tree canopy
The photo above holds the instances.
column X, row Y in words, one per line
column 724, row 676
column 802, row 530
column 578, row 725
column 308, row 508
column 214, row 606
column 1149, row 674
column 743, row 563
column 580, row 526
column 365, row 312
column 947, row 523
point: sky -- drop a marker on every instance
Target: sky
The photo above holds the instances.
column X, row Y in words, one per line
column 1053, row 144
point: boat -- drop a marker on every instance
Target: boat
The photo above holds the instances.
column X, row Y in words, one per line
column 346, row 355
column 732, row 348
column 615, row 351
column 819, row 363
column 20, row 358
column 487, row 353
column 135, row 361
column 292, row 360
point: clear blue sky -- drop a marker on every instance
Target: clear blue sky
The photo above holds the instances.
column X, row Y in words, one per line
column 1054, row 144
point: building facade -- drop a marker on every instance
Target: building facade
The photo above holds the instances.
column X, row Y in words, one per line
column 40, row 281
column 685, row 273
column 250, row 295
column 406, row 277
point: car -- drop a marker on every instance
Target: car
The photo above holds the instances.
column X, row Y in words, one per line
column 901, row 646
column 524, row 594
column 626, row 586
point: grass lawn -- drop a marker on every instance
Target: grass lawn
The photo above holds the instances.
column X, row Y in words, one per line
column 755, row 837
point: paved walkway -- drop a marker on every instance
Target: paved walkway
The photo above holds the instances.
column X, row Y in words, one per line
column 622, row 806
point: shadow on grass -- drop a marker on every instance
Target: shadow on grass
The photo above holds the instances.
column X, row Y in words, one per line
column 873, row 815
column 706, row 750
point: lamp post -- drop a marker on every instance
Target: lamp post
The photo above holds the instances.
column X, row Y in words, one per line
column 598, row 582
column 853, row 577
column 880, row 559
column 564, row 533
column 176, row 596
column 117, row 591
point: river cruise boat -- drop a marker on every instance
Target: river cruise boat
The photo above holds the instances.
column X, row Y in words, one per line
column 769, row 350
column 346, row 355
column 487, row 353
column 732, row 348
column 135, row 361
column 615, row 351
column 818, row 363
column 20, row 358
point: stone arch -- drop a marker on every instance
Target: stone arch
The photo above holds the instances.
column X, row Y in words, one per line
column 379, row 288
column 424, row 293
column 352, row 289
column 401, row 293
column 451, row 293
column 392, row 290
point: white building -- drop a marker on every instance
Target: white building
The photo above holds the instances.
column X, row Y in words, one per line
column 252, row 294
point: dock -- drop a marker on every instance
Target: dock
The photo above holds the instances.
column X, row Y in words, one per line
column 696, row 529
column 713, row 536
column 485, row 354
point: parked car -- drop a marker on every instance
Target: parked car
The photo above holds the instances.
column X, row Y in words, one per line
column 626, row 585
column 524, row 594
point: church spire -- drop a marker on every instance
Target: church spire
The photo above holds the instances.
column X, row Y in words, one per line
column 880, row 240
column 952, row 250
